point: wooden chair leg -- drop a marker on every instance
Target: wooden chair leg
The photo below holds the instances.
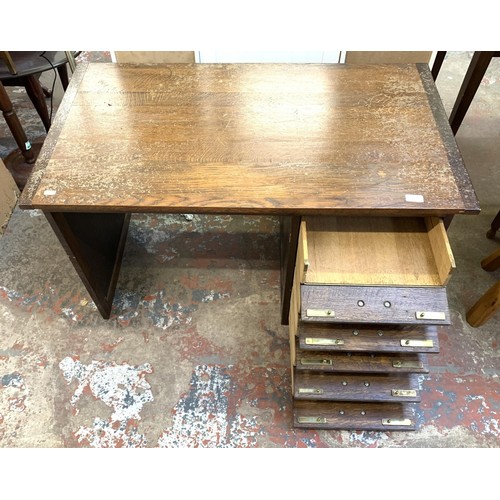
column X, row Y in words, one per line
column 35, row 93
column 495, row 226
column 477, row 68
column 438, row 62
column 15, row 126
column 485, row 307
column 492, row 262
column 63, row 75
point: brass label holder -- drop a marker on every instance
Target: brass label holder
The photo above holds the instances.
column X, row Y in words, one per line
column 407, row 364
column 309, row 390
column 323, row 341
column 311, row 420
column 320, row 313
column 417, row 343
column 404, row 393
column 430, row 315
column 397, row 421
column 316, row 362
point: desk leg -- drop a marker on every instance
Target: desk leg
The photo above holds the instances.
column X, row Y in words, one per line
column 94, row 243
column 289, row 240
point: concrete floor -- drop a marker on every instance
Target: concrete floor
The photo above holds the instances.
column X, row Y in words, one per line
column 194, row 354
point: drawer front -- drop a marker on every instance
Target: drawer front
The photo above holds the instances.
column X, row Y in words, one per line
column 361, row 339
column 331, row 362
column 374, row 304
column 358, row 387
column 360, row 416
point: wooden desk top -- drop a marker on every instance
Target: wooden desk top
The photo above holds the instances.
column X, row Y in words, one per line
column 251, row 138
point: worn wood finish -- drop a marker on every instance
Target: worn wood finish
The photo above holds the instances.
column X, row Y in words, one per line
column 250, row 138
column 95, row 245
column 348, row 362
column 354, row 416
column 375, row 388
column 376, row 251
column 370, row 339
column 51, row 140
column 374, row 304
column 455, row 160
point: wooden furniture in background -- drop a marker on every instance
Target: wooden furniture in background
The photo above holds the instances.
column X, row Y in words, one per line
column 9, row 194
column 494, row 227
column 475, row 73
column 290, row 140
column 23, row 69
column 15, row 126
column 489, row 302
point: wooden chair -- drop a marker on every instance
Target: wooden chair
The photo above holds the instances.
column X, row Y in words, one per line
column 487, row 305
column 475, row 72
column 23, row 69
column 15, row 126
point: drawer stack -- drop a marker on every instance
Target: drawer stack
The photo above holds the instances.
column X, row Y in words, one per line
column 367, row 305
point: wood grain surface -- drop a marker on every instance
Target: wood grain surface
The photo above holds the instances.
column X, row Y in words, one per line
column 271, row 138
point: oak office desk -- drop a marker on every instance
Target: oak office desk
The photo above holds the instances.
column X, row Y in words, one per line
column 289, row 140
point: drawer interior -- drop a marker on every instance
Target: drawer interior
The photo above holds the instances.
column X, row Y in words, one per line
column 404, row 251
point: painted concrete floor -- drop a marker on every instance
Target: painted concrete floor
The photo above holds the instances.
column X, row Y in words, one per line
column 194, row 354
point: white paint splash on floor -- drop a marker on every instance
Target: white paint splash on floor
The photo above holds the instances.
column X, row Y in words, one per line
column 103, row 434
column 122, row 387
column 202, row 418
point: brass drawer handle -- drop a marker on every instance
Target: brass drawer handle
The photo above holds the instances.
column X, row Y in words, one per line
column 307, row 390
column 311, row 420
column 430, row 315
column 323, row 341
column 395, row 421
column 407, row 364
column 404, row 393
column 316, row 362
column 417, row 343
column 320, row 313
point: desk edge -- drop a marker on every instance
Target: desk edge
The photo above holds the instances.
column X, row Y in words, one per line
column 457, row 164
column 29, row 191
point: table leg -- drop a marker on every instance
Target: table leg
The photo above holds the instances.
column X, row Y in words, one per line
column 477, row 68
column 15, row 126
column 94, row 243
column 290, row 226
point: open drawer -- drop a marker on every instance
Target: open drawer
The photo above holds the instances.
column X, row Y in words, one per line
column 374, row 270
